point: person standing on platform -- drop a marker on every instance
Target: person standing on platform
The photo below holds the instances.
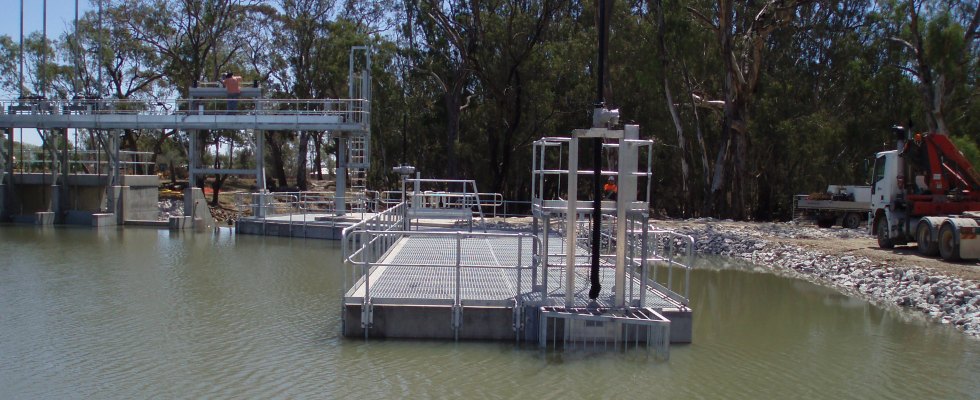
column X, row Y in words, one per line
column 233, row 84
column 610, row 189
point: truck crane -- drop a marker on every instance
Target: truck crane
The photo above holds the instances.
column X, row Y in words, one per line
column 927, row 192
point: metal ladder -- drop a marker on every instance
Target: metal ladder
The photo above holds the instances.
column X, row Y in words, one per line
column 358, row 163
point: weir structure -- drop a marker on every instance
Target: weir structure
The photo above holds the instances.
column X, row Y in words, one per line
column 99, row 189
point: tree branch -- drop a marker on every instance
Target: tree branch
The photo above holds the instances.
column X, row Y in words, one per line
column 702, row 18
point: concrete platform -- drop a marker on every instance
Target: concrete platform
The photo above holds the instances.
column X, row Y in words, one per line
column 412, row 292
column 311, row 225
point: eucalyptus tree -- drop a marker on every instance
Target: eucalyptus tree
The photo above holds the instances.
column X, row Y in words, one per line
column 942, row 40
column 503, row 57
column 741, row 31
column 447, row 35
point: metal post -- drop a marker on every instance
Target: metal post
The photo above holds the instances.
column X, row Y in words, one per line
column 520, row 251
column 20, row 84
column 458, row 304
column 366, row 303
column 544, row 251
column 192, row 179
column 405, row 226
column 63, row 200
column 116, row 178
column 99, row 56
column 75, row 50
column 44, row 46
column 644, row 250
column 534, row 248
column 571, row 222
column 260, row 172
column 626, row 195
column 340, row 202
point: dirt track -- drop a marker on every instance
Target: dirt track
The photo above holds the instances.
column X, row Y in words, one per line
column 841, row 241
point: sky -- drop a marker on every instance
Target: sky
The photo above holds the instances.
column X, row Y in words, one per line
column 61, row 16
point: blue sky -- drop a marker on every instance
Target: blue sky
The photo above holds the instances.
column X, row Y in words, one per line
column 61, row 16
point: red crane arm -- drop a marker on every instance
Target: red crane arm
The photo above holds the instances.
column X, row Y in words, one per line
column 946, row 161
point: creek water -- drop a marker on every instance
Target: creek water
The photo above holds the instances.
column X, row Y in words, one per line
column 136, row 313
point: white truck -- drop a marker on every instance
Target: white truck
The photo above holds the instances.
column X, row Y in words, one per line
column 926, row 192
column 844, row 205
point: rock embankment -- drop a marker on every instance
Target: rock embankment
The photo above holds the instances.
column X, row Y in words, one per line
column 170, row 208
column 947, row 299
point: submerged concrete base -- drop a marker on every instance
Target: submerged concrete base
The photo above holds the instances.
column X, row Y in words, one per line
column 478, row 323
column 101, row 220
column 312, row 229
column 681, row 325
column 44, row 218
column 431, row 322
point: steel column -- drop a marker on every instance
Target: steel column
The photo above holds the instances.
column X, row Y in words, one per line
column 571, row 215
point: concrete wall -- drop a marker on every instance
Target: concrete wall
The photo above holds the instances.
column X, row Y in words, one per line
column 431, row 322
column 312, row 230
column 196, row 206
column 681, row 325
column 140, row 203
column 86, row 196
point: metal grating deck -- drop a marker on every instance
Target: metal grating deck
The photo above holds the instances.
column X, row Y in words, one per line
column 420, row 270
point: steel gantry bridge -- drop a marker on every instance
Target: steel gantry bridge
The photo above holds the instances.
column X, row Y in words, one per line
column 348, row 120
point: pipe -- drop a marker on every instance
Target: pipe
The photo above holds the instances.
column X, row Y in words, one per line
column 44, row 49
column 21, row 82
column 596, row 287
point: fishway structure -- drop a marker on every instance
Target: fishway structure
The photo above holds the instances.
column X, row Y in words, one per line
column 530, row 285
column 59, row 194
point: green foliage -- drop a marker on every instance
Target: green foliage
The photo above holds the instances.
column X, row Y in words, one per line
column 469, row 93
column 968, row 146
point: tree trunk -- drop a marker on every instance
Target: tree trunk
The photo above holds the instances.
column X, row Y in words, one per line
column 317, row 154
column 452, row 100
column 278, row 166
column 674, row 115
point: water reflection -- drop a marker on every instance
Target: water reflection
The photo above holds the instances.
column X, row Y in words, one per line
column 137, row 313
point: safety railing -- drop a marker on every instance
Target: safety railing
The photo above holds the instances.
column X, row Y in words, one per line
column 89, row 162
column 654, row 258
column 366, row 244
column 492, row 202
column 302, row 206
column 669, row 258
column 349, row 110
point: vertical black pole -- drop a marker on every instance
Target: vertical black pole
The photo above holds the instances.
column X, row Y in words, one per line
column 20, row 86
column 44, row 47
column 597, row 158
column 98, row 57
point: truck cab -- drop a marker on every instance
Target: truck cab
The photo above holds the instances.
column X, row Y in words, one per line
column 885, row 190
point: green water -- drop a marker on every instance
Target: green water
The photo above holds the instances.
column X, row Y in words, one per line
column 140, row 313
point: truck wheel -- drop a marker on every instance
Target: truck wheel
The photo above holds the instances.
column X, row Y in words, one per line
column 923, row 235
column 852, row 220
column 948, row 247
column 881, row 228
column 825, row 222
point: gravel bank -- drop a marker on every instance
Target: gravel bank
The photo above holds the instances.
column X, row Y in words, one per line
column 947, row 299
